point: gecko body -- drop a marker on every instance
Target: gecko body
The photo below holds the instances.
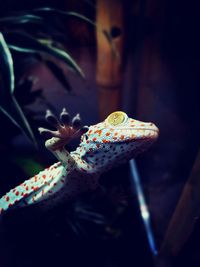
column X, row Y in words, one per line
column 103, row 146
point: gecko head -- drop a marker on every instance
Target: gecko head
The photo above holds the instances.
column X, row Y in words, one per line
column 115, row 140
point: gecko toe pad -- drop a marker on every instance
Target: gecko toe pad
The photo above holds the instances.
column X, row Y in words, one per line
column 66, row 129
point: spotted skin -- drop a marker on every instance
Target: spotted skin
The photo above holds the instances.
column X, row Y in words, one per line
column 104, row 146
column 32, row 189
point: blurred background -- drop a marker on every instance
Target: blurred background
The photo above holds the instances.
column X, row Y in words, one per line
column 139, row 56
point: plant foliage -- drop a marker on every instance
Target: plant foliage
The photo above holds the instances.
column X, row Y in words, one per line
column 33, row 33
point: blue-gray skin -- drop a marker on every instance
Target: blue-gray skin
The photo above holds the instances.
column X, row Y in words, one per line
column 103, row 146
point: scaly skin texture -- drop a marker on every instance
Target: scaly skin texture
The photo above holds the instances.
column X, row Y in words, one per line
column 103, row 146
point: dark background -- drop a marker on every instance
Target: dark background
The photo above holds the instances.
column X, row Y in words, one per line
column 160, row 84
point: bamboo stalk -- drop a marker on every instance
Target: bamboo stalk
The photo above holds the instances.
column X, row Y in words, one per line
column 186, row 212
column 109, row 55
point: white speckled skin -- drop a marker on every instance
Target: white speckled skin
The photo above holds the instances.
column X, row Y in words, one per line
column 102, row 147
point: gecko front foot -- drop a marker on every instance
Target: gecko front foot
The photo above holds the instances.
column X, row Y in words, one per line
column 66, row 129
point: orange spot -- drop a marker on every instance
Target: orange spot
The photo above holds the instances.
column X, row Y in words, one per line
column 98, row 145
column 94, row 139
column 44, row 176
column 115, row 138
column 7, row 198
column 107, row 134
column 17, row 193
column 115, row 134
column 105, row 141
column 122, row 137
column 99, row 132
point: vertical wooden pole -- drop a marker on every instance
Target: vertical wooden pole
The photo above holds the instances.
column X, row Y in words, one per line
column 185, row 215
column 110, row 33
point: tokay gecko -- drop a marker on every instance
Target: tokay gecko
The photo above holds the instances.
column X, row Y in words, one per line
column 103, row 146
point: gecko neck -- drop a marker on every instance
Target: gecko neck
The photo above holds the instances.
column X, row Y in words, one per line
column 84, row 164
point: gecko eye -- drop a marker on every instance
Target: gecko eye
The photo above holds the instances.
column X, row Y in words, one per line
column 117, row 118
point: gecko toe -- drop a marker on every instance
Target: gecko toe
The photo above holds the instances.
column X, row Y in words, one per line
column 76, row 121
column 65, row 117
column 84, row 129
column 52, row 119
column 46, row 133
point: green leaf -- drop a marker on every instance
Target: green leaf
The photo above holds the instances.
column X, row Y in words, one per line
column 8, row 103
column 22, row 42
column 6, row 66
column 34, row 25
column 12, row 110
column 56, row 12
column 58, row 73
column 28, row 18
column 29, row 165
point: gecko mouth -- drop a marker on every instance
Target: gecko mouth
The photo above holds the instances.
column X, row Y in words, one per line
column 140, row 136
column 139, row 132
column 151, row 128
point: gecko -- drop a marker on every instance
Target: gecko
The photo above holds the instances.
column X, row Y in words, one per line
column 103, row 146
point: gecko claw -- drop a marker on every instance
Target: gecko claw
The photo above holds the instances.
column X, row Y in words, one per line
column 76, row 122
column 65, row 117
